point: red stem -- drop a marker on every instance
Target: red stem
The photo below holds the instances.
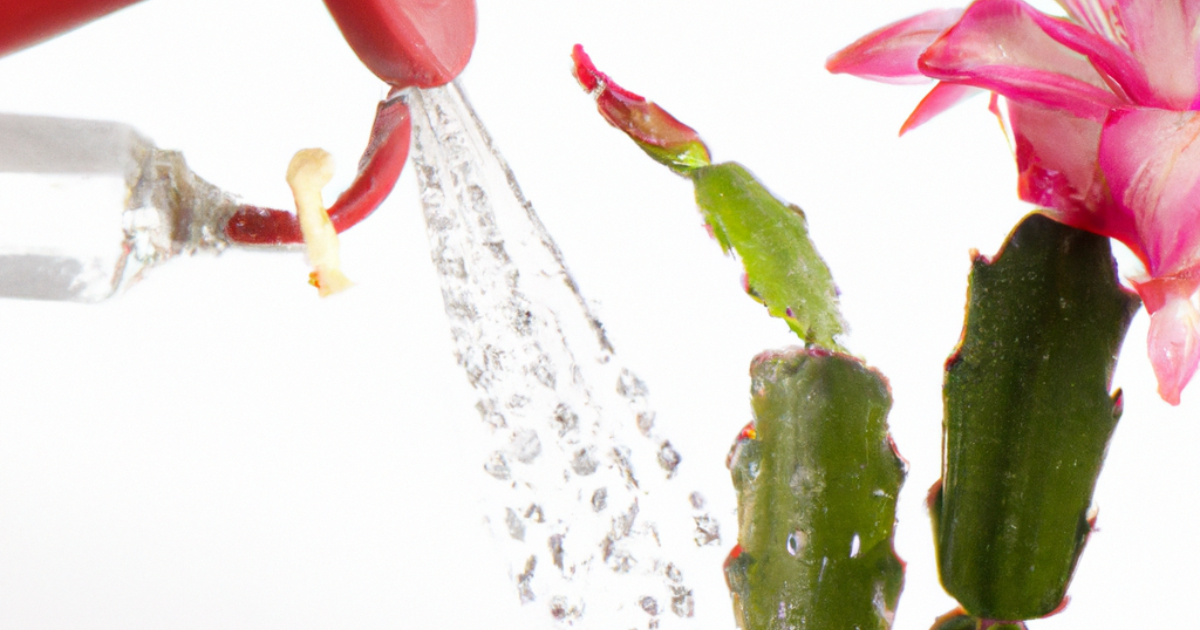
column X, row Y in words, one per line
column 378, row 171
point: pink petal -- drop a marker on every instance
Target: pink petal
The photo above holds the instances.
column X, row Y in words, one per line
column 1156, row 292
column 1151, row 159
column 1097, row 15
column 943, row 96
column 1161, row 34
column 998, row 45
column 890, row 53
column 1174, row 342
column 1122, row 72
column 1058, row 168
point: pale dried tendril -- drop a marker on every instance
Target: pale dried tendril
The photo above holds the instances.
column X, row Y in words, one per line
column 307, row 174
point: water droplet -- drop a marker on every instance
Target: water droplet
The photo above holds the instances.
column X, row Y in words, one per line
column 620, row 457
column 496, row 466
column 556, row 550
column 583, row 463
column 562, row 608
column 524, row 580
column 673, row 573
column 630, row 386
column 796, row 542
column 879, row 601
column 516, row 529
column 668, row 458
column 526, row 446
column 708, row 531
column 682, row 603
column 645, row 422
column 567, row 421
column 600, row 499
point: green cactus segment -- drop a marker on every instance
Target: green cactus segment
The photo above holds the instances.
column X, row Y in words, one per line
column 1028, row 419
column 956, row 622
column 682, row 159
column 783, row 269
column 817, row 482
column 960, row 621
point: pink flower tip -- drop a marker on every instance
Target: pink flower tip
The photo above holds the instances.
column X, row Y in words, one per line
column 890, row 54
column 592, row 79
column 1174, row 346
column 658, row 133
column 585, row 71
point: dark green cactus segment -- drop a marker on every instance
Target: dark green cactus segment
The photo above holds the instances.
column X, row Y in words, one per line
column 783, row 269
column 817, row 487
column 1028, row 419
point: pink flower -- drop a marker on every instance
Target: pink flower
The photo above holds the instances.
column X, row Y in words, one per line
column 1103, row 108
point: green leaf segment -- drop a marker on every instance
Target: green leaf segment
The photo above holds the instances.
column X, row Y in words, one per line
column 816, row 474
column 783, row 269
column 817, row 479
column 1028, row 418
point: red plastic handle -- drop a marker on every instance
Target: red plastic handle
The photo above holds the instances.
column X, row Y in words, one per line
column 421, row 43
column 24, row 23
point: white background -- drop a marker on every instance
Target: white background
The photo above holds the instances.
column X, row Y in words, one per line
column 220, row 449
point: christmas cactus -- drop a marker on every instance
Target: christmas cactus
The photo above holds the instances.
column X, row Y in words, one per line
column 1101, row 115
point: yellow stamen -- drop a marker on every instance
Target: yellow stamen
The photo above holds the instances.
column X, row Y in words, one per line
column 307, row 174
